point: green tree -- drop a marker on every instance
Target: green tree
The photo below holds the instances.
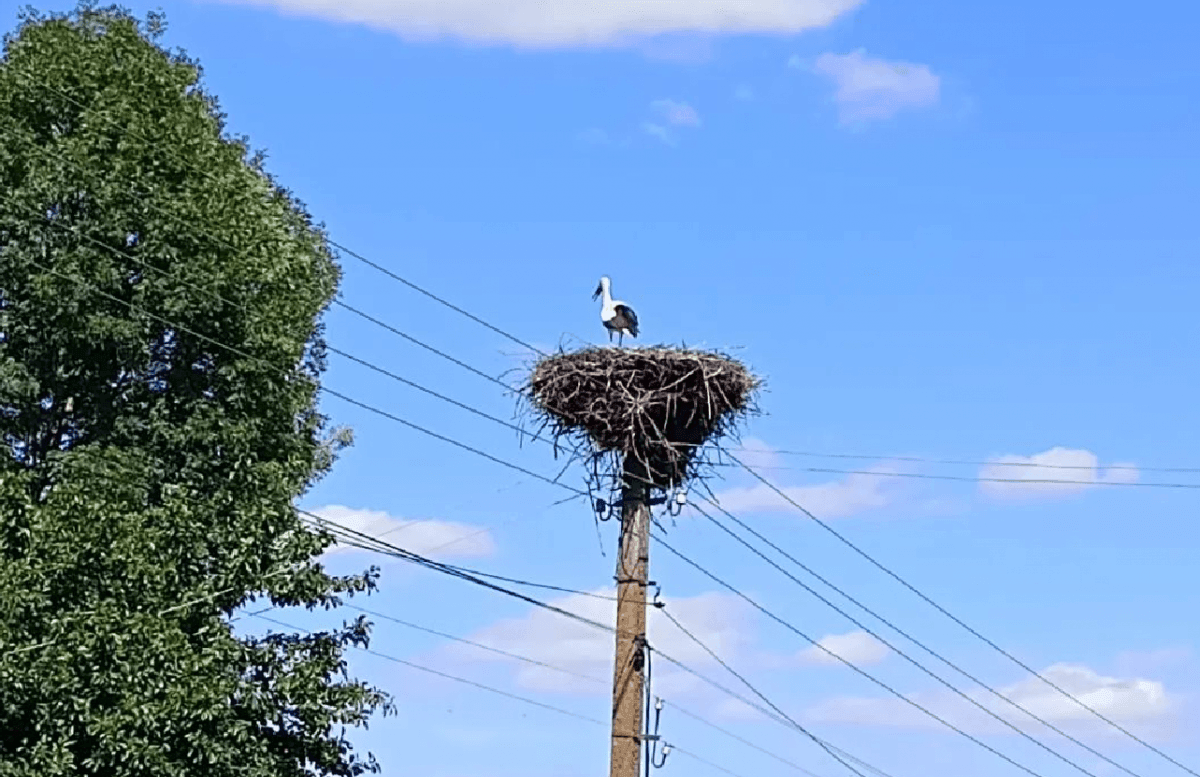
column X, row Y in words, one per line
column 148, row 475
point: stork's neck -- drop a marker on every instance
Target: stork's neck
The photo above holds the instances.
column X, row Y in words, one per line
column 605, row 294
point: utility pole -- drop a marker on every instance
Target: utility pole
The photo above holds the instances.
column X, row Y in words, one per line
column 633, row 566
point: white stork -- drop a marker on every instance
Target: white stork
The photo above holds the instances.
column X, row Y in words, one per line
column 615, row 315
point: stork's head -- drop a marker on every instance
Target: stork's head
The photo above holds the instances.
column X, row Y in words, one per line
column 600, row 289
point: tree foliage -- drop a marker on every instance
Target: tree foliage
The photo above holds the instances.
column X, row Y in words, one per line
column 160, row 352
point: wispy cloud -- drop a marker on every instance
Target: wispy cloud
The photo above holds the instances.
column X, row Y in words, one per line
column 676, row 113
column 668, row 115
column 1021, row 473
column 871, row 89
column 721, row 621
column 1125, row 700
column 857, row 647
column 836, row 499
column 440, row 539
column 573, row 23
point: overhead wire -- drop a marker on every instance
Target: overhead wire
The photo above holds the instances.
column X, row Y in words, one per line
column 470, row 577
column 590, row 678
column 510, row 388
column 246, row 355
column 858, row 670
column 745, row 742
column 418, row 428
column 880, row 566
column 958, row 692
column 386, row 271
column 712, row 654
column 438, row 436
column 941, row 658
column 498, row 692
column 400, row 420
column 447, row 675
column 479, row 645
column 982, row 478
column 967, row 462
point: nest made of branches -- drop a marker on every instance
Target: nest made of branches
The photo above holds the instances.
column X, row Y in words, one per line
column 655, row 408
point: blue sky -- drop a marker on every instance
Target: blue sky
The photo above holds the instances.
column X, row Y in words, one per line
column 939, row 229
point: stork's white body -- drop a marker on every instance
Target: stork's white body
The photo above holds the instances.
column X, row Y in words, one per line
column 616, row 316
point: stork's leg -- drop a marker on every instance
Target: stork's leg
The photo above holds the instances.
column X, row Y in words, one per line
column 610, row 337
column 620, row 338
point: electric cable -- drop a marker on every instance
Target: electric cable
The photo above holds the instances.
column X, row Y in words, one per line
column 916, row 663
column 879, row 565
column 816, row 643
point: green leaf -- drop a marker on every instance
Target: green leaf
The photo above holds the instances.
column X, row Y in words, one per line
column 147, row 477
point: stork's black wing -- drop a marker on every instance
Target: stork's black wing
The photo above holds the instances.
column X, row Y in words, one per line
column 630, row 319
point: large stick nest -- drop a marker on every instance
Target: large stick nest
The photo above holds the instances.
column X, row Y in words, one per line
column 655, row 408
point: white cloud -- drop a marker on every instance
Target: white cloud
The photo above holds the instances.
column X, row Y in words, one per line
column 743, row 93
column 839, row 499
column 857, row 647
column 1057, row 463
column 1120, row 699
column 658, row 131
column 871, row 89
column 670, row 114
column 720, row 621
column 675, row 113
column 570, row 23
column 440, row 539
column 1126, row 701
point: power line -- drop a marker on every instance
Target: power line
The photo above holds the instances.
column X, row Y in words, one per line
column 588, row 677
column 397, row 277
column 482, row 322
column 165, row 611
column 473, row 410
column 710, row 764
column 426, row 346
column 348, row 399
column 867, row 675
column 190, row 226
column 960, row 622
column 935, row 654
column 496, row 691
column 448, row 676
column 248, row 356
column 712, row 654
column 479, row 645
column 745, row 742
column 523, row 432
column 916, row 663
column 470, row 577
column 390, row 273
column 973, row 479
column 244, row 354
column 964, row 462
